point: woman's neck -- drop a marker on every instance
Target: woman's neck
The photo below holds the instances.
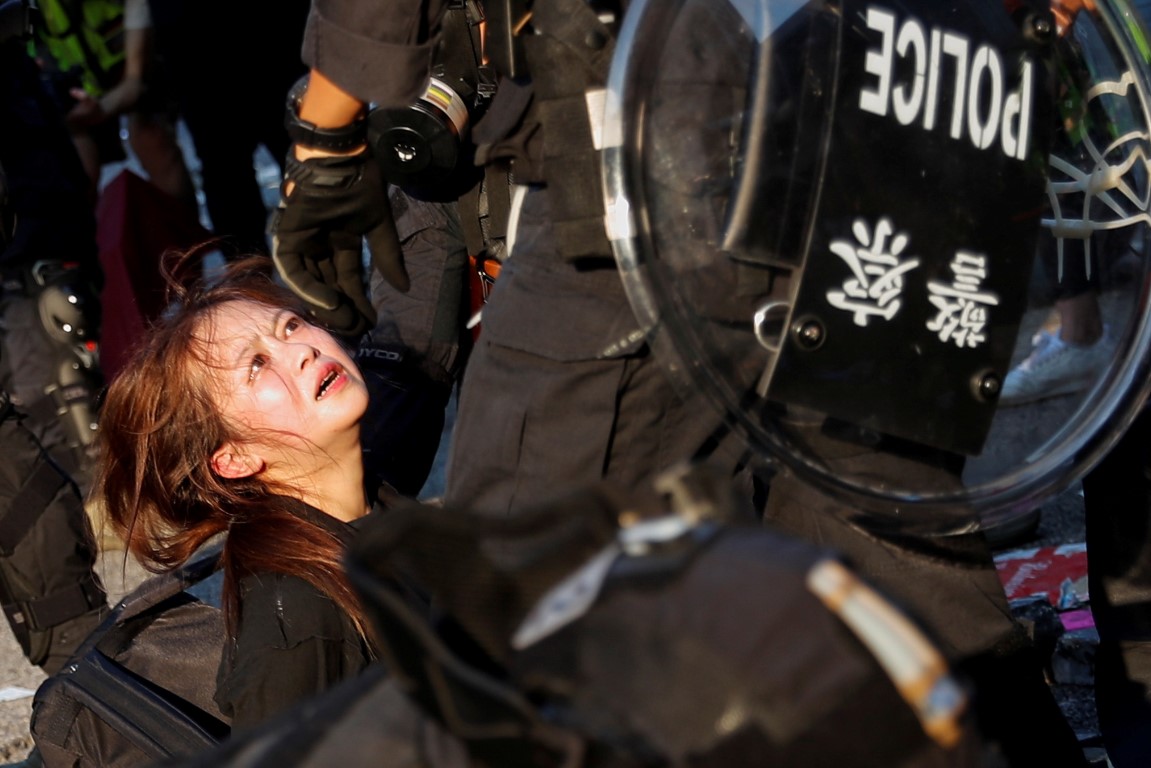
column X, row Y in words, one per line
column 335, row 486
column 346, row 506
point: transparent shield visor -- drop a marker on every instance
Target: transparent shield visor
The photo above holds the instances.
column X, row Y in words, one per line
column 900, row 246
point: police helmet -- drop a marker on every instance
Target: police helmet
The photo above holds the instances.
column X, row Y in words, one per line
column 66, row 312
column 876, row 227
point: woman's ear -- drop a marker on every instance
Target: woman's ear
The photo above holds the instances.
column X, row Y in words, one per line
column 232, row 462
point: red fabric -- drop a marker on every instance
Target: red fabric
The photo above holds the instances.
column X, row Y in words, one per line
column 481, row 278
column 1056, row 573
column 135, row 224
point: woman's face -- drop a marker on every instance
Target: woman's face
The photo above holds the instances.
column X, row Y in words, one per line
column 283, row 381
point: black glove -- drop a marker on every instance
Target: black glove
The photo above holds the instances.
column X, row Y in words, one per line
column 317, row 237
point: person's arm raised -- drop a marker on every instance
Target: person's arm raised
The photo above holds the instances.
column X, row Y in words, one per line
column 333, row 195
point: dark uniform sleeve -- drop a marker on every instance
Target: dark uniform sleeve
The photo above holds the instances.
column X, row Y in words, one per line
column 379, row 52
column 292, row 643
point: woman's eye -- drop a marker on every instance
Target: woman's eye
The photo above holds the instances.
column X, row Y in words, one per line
column 292, row 324
column 258, row 362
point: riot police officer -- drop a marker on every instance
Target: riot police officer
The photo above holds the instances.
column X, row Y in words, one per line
column 51, row 274
column 50, row 594
column 745, row 152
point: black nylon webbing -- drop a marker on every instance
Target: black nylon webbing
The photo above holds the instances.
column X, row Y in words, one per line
column 499, row 200
column 570, row 57
column 29, row 504
column 54, row 723
column 470, row 221
column 568, row 131
column 62, row 605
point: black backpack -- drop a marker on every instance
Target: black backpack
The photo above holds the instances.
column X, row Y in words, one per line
column 140, row 689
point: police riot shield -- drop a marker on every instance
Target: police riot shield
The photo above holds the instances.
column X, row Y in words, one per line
column 911, row 228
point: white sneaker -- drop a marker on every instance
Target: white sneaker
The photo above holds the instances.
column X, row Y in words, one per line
column 1054, row 368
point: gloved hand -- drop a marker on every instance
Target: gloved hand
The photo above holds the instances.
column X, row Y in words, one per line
column 327, row 206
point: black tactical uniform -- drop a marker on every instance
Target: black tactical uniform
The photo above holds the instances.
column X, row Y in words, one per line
column 54, row 243
column 563, row 385
column 50, row 594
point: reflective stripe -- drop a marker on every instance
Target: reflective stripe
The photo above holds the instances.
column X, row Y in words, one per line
column 914, row 666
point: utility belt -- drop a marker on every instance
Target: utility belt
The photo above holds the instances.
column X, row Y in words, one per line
column 548, row 128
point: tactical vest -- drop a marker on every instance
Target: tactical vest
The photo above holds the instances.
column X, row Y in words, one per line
column 85, row 37
column 547, row 127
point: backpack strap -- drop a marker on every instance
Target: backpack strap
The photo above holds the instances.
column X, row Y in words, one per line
column 159, row 588
column 154, row 591
column 484, row 210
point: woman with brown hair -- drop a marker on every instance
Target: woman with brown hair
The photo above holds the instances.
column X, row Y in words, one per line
column 238, row 416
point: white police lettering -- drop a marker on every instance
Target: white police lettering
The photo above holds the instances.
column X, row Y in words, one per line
column 980, row 105
column 962, row 316
column 877, row 282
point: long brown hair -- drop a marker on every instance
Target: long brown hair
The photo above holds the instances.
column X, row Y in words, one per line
column 159, row 427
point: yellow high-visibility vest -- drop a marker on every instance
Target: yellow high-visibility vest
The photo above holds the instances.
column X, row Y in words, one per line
column 85, row 37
